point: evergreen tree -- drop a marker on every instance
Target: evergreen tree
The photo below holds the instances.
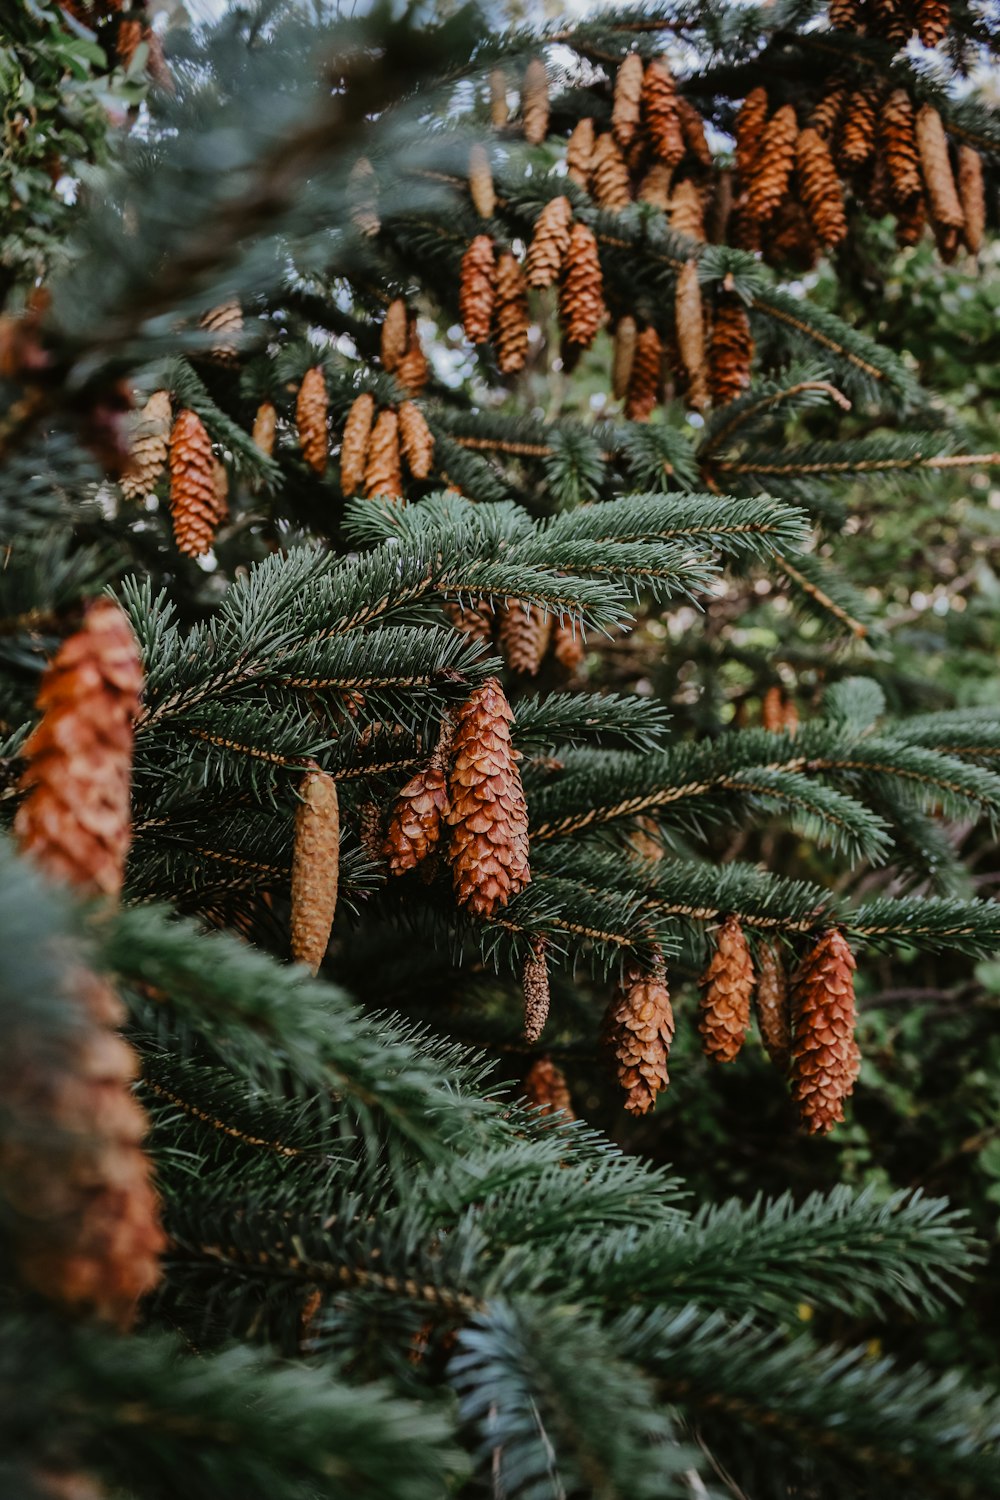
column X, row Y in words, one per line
column 298, row 434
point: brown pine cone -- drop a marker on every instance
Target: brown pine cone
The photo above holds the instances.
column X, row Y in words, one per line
column 774, row 1016
column 655, row 186
column 395, row 335
column 725, row 1004
column 933, row 21
column 932, row 143
column 751, row 121
column 637, row 1031
column 844, row 15
column 730, row 350
column 690, row 332
column 510, row 316
column 220, row 488
column 772, row 170
column 623, row 356
column 383, row 471
column 499, row 108
column 772, row 710
column 693, row 131
column 824, row 1052
column 581, row 295
column 858, row 128
column 315, row 868
column 911, row 222
column 686, row 213
column 477, row 289
column 488, row 816
column 626, row 111
column 546, row 1088
column 549, row 243
column 790, row 240
column 535, row 988
column 310, row 417
column 127, row 38
column 412, row 371
column 819, row 187
column 265, row 425
column 192, row 485
column 568, row 646
column 535, row 103
column 890, row 20
column 826, row 116
column 481, row 191
column 148, row 444
column 75, row 820
column 362, row 190
column 416, row 440
column 610, row 183
column 899, row 142
column 354, row 444
column 645, row 385
column 524, row 637
column 972, row 197
column 720, row 207
column 418, row 816
column 662, row 116
column 475, row 621
column 226, row 323
column 579, row 152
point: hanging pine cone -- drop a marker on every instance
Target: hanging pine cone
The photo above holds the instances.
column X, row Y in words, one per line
column 546, row 1088
column 626, row 110
column 581, row 296
column 148, row 444
column 549, row 243
column 655, row 186
column 890, row 20
column 395, row 334
column 824, row 1051
column 749, row 129
column 475, row 621
column 226, row 323
column 535, row 988
column 220, row 490
column 857, row 133
column 945, row 205
column 265, row 426
column 899, row 144
column 819, row 188
column 690, row 331
column 416, row 440
column 477, row 289
column 645, row 385
column 499, row 108
column 720, row 207
column 510, row 316
column 310, row 418
column 730, row 350
column 419, row 812
column 772, row 169
column 315, row 868
column 362, row 192
column 579, row 152
column 481, row 191
column 524, row 637
column 637, row 1031
column 933, row 20
column 825, row 118
column 727, row 985
column 972, row 197
column 354, row 444
column 911, row 221
column 75, row 820
column 773, row 709
column 662, row 117
column 413, row 369
column 686, row 214
column 610, row 183
column 568, row 646
column 790, row 240
column 535, row 103
column 771, row 1002
column 383, row 470
column 488, row 817
column 693, row 131
column 844, row 15
column 192, row 485
column 623, row 356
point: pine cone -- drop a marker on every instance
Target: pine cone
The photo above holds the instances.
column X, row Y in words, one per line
column 488, row 817
column 192, row 485
column 844, row 15
column 149, row 440
column 720, row 207
column 824, row 1052
column 226, row 322
column 545, row 1087
column 524, row 637
column 610, row 183
column 645, row 385
column 825, row 118
column 315, row 868
column 749, row 128
column 890, row 20
column 626, row 111
column 579, row 152
column 568, row 646
column 772, row 710
column 416, row 440
column 127, row 39
column 362, row 190
column 655, row 186
column 413, row 369
column 549, row 243
column 638, row 1029
column 972, row 196
column 220, row 491
column 475, row 621
column 730, row 350
column 911, row 222
column 535, row 103
column 581, row 295
column 418, row 816
column 790, row 240
column 693, row 131
column 383, row 471
column 819, row 187
column 535, row 987
column 623, row 356
column 725, row 1003
column 774, row 1016
column 499, row 108
column 395, row 335
column 477, row 289
column 662, row 117
column 772, row 170
column 933, row 20
column 481, row 191
column 686, row 214
column 945, row 205
column 354, row 444
column 310, row 418
column 857, row 134
column 265, row 424
column 510, row 315
column 899, row 142
column 690, row 330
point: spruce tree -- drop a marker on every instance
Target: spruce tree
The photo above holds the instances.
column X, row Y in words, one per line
column 398, row 416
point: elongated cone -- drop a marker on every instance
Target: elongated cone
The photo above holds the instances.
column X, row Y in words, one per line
column 610, row 183
column 383, row 471
column 719, row 207
column 637, row 1031
column 395, row 334
column 686, row 212
column 311, row 408
column 772, row 709
column 413, row 369
column 226, row 322
column 488, row 816
column 771, row 1002
column 789, row 239
column 510, row 315
column 549, row 243
column 911, row 221
column 192, row 485
column 891, row 20
column 626, row 110
column 844, row 15
column 581, row 295
column 535, row 988
column 645, row 385
column 730, row 350
column 689, row 323
column 945, row 205
column 354, row 443
column 475, row 621
column 773, row 165
column 315, row 868
column 819, row 188
column 580, row 152
column 477, row 289
column 827, row 114
column 148, row 443
column 420, row 810
column 693, row 131
column 415, row 439
column 661, row 115
column 825, row 1056
column 265, row 425
column 362, row 188
column 750, row 122
column 524, row 637
column 481, row 190
column 546, row 1088
column 568, row 646
column 933, row 20
column 535, row 103
column 972, row 197
column 858, row 128
column 499, row 108
column 897, row 128
column 220, row 485
column 727, row 985
column 624, row 356
column 655, row 186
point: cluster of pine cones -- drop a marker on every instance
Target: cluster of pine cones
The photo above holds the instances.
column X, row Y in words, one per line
column 525, row 634
column 199, row 483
